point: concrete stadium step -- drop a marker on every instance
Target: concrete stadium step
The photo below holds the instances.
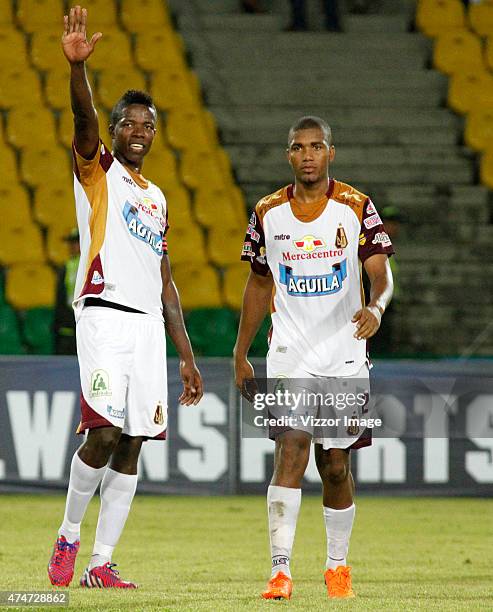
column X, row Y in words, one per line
column 376, row 24
column 231, row 22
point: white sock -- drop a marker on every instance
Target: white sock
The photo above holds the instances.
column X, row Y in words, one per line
column 283, row 505
column 117, row 493
column 84, row 481
column 338, row 525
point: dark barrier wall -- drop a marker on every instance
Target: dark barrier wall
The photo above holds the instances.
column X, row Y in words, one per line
column 438, row 437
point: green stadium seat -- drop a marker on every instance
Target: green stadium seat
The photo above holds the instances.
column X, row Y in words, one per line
column 212, row 331
column 37, row 330
column 10, row 339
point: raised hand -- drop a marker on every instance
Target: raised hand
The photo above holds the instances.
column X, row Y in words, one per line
column 75, row 45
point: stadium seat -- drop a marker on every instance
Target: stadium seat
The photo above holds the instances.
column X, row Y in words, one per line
column 113, row 82
column 136, row 16
column 16, row 211
column 57, row 249
column 19, row 87
column 114, row 44
column 46, row 50
column 224, row 245
column 13, row 46
column 103, row 17
column 7, row 17
column 481, row 17
column 486, row 167
column 201, row 168
column 198, row 286
column 189, row 129
column 30, row 286
column 466, row 89
column 160, row 167
column 27, row 125
column 35, row 15
column 436, row 16
column 10, row 338
column 186, row 245
column 179, row 208
column 8, row 168
column 21, row 245
column 37, row 330
column 479, row 129
column 218, row 206
column 37, row 165
column 153, row 45
column 235, row 277
column 489, row 53
column 213, row 331
column 54, row 206
column 57, row 88
column 176, row 90
column 458, row 52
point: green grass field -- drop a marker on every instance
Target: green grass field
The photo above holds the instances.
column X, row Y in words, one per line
column 197, row 553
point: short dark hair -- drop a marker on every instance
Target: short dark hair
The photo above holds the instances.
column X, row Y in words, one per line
column 310, row 122
column 132, row 96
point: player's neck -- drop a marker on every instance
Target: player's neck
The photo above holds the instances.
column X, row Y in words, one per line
column 132, row 166
column 309, row 193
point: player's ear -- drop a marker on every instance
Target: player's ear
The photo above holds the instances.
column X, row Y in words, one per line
column 111, row 129
column 332, row 153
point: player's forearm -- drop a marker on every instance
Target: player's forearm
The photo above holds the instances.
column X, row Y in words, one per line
column 174, row 323
column 381, row 289
column 85, row 116
column 256, row 300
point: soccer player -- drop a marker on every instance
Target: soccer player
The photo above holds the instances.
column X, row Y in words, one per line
column 123, row 289
column 305, row 244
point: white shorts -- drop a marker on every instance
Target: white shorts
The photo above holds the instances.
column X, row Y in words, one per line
column 122, row 361
column 279, row 368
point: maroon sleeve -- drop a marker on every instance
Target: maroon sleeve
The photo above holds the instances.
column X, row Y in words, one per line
column 373, row 239
column 166, row 228
column 254, row 246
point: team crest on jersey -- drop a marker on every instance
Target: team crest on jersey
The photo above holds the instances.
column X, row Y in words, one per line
column 308, row 286
column 158, row 415
column 341, row 238
column 142, row 231
column 309, row 243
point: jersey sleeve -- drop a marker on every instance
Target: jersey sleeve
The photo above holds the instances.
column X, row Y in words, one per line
column 90, row 171
column 373, row 239
column 254, row 246
column 166, row 228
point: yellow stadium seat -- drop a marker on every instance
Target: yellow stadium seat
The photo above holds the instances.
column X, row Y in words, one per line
column 54, row 206
column 198, row 169
column 57, row 88
column 486, row 168
column 102, row 15
column 179, row 208
column 479, row 129
column 13, row 47
column 114, row 44
column 113, row 82
column 46, row 50
column 136, row 16
column 213, row 206
column 6, row 16
column 235, row 278
column 16, row 211
column 465, row 90
column 34, row 15
column 8, row 168
column 160, row 50
column 24, row 123
column 21, row 244
column 30, row 286
column 457, row 52
column 489, row 52
column 224, row 245
column 176, row 90
column 57, row 246
column 197, row 285
column 436, row 16
column 19, row 87
column 189, row 129
column 186, row 245
column 160, row 167
column 46, row 165
column 481, row 17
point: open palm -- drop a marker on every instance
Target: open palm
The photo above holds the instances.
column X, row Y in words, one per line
column 75, row 45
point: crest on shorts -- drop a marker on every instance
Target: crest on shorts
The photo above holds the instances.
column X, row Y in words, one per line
column 100, row 384
column 158, row 415
column 353, row 427
column 341, row 239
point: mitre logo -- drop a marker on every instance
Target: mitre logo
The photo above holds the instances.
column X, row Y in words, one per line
column 309, row 243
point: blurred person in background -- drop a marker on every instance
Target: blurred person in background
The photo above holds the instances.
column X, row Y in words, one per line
column 299, row 20
column 251, row 6
column 64, row 323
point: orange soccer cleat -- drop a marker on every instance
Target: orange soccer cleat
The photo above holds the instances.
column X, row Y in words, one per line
column 338, row 582
column 279, row 586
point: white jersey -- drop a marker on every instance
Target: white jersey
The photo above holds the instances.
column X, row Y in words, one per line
column 122, row 222
column 314, row 253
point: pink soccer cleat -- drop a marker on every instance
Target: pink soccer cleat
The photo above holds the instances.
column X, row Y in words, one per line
column 62, row 562
column 104, row 577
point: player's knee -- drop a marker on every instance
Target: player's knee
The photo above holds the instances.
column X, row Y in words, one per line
column 336, row 472
column 99, row 445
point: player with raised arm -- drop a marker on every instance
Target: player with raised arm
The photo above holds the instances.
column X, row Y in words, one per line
column 306, row 244
column 124, row 288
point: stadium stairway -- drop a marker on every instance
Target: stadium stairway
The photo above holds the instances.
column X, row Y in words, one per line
column 394, row 136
